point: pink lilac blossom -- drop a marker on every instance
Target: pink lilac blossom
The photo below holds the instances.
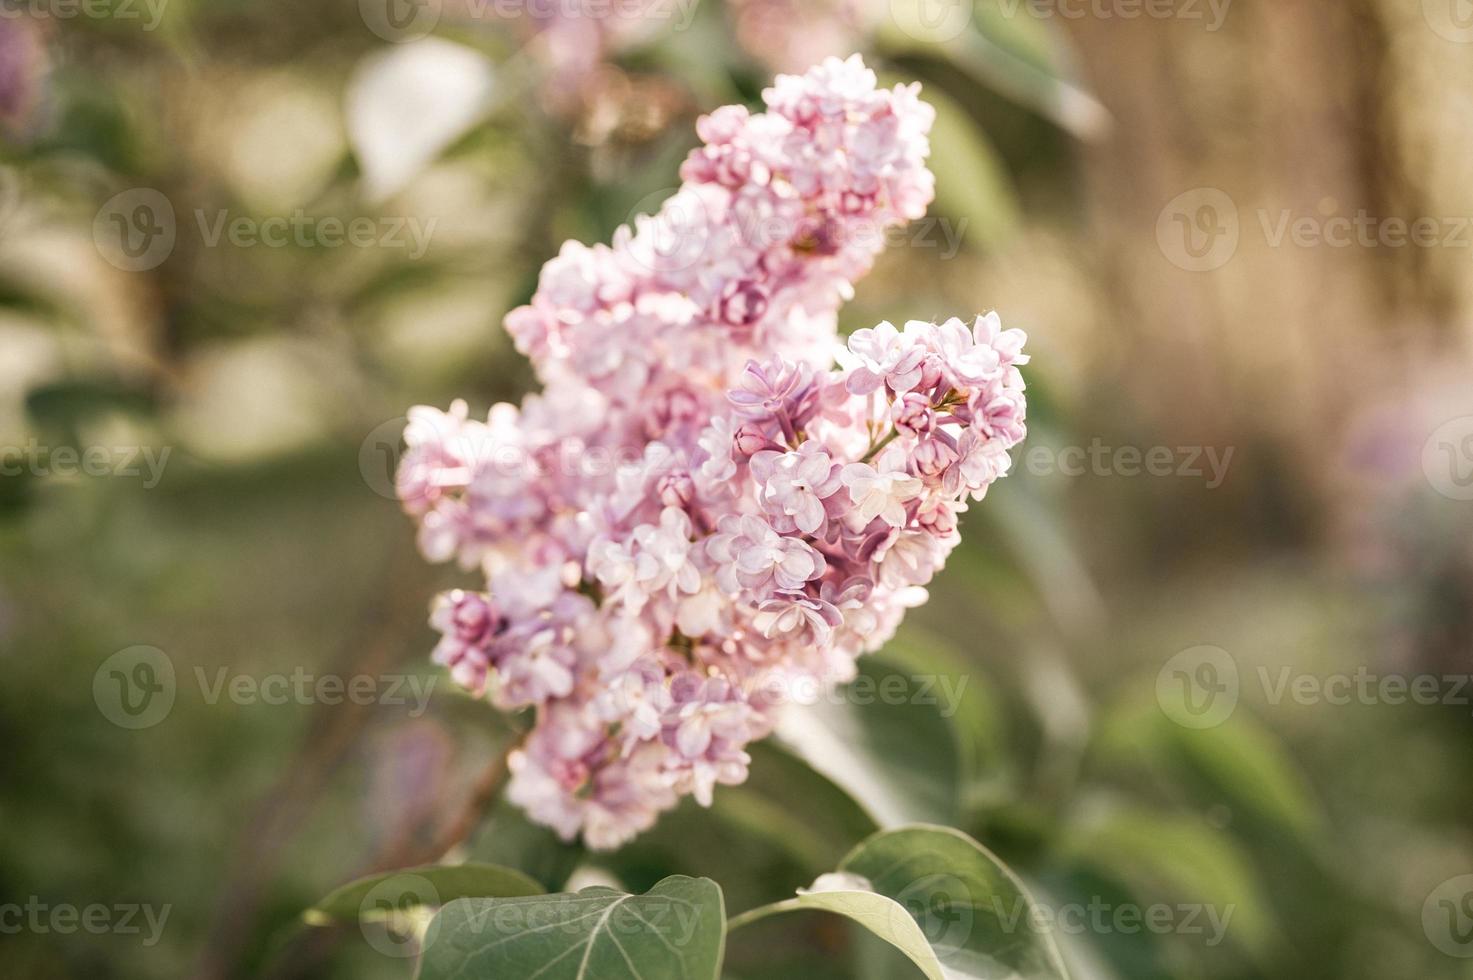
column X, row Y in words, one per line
column 699, row 511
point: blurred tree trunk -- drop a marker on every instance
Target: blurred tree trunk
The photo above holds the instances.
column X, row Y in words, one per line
column 1291, row 111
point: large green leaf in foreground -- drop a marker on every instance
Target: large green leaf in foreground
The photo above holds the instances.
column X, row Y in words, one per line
column 941, row 899
column 675, row 931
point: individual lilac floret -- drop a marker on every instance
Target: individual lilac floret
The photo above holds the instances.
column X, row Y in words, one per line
column 793, row 486
column 881, row 490
column 469, row 623
column 749, row 555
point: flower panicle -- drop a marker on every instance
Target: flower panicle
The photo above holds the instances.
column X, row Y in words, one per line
column 712, row 506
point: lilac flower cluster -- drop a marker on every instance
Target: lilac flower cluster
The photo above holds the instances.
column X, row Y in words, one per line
column 700, row 513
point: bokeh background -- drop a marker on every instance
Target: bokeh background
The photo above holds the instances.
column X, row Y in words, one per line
column 1191, row 207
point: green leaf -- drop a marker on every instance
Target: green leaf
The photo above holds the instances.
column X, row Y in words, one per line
column 968, row 697
column 941, row 899
column 675, row 931
column 1250, row 766
column 881, row 915
column 1177, row 858
column 432, row 885
column 884, row 740
column 1020, row 62
column 63, row 405
column 1241, row 764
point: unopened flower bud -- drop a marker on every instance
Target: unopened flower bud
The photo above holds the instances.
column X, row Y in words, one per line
column 932, row 371
column 472, row 615
column 912, row 414
column 676, row 490
column 749, row 440
column 931, row 458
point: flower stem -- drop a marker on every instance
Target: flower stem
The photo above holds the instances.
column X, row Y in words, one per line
column 875, row 447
